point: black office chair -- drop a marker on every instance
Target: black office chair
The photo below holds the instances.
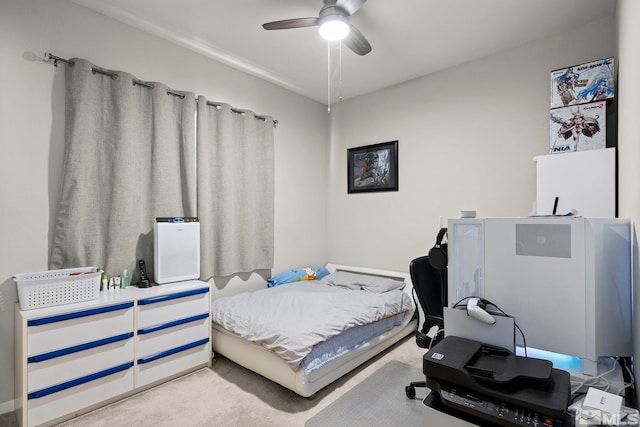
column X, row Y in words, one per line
column 430, row 288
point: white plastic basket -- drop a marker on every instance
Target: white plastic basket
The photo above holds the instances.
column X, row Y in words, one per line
column 57, row 287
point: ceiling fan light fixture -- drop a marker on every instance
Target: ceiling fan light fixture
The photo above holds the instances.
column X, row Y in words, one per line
column 334, row 27
column 334, row 22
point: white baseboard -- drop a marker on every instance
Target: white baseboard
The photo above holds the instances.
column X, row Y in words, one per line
column 6, row 407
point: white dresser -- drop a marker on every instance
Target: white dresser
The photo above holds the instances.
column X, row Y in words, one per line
column 73, row 358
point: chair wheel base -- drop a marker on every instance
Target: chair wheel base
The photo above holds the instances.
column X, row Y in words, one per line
column 410, row 391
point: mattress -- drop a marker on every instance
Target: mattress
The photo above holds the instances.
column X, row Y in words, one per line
column 349, row 340
column 332, row 357
column 271, row 366
column 293, row 318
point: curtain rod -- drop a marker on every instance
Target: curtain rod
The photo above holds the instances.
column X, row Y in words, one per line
column 50, row 57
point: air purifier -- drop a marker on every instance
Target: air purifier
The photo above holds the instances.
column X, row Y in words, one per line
column 176, row 249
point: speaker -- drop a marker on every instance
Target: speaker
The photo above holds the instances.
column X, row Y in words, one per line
column 438, row 253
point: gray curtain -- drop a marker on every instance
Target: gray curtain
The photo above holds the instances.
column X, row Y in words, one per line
column 235, row 190
column 129, row 158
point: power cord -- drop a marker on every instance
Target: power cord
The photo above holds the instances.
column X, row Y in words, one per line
column 630, row 383
column 598, row 381
column 524, row 339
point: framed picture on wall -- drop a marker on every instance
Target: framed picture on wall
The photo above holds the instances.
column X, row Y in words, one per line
column 373, row 168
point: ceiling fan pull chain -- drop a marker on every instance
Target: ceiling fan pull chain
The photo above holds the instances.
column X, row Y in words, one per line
column 328, row 76
column 340, row 74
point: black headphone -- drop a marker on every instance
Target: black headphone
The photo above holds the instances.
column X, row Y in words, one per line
column 438, row 253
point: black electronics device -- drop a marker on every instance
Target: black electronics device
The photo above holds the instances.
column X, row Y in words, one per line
column 144, row 279
column 484, row 411
column 493, row 384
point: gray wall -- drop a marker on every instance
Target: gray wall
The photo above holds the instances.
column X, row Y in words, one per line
column 32, row 108
column 629, row 134
column 467, row 137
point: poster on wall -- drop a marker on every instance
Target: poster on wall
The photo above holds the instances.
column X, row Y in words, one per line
column 578, row 127
column 584, row 83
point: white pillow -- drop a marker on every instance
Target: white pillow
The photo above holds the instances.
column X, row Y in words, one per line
column 374, row 284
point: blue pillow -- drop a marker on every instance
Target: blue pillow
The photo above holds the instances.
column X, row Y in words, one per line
column 298, row 274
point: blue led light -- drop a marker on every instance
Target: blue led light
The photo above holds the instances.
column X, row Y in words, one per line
column 565, row 362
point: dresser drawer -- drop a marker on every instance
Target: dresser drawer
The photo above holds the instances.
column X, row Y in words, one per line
column 170, row 335
column 75, row 362
column 166, row 308
column 174, row 361
column 70, row 329
column 51, row 404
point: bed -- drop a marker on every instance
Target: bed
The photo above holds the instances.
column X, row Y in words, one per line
column 312, row 365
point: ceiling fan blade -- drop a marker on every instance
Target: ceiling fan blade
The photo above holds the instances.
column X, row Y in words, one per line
column 357, row 42
column 351, row 6
column 290, row 23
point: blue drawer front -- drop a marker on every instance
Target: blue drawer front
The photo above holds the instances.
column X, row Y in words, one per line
column 172, row 324
column 77, row 348
column 172, row 351
column 78, row 381
column 161, row 298
column 79, row 314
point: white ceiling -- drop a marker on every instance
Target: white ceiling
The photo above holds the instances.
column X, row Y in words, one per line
column 410, row 38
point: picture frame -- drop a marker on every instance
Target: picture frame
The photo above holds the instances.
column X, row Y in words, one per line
column 372, row 168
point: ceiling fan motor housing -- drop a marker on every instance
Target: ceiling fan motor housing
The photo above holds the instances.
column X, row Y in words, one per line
column 333, row 13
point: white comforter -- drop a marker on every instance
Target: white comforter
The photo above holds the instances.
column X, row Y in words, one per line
column 290, row 319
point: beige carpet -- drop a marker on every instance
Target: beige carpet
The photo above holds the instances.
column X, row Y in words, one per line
column 230, row 395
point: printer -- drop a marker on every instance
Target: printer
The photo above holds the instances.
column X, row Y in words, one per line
column 489, row 385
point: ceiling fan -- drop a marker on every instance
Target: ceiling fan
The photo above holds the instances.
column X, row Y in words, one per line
column 334, row 24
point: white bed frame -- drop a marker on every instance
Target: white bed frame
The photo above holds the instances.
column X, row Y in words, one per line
column 273, row 367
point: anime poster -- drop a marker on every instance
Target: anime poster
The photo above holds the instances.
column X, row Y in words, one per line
column 581, row 84
column 578, row 127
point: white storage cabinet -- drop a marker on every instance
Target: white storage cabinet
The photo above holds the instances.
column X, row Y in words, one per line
column 566, row 280
column 73, row 358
